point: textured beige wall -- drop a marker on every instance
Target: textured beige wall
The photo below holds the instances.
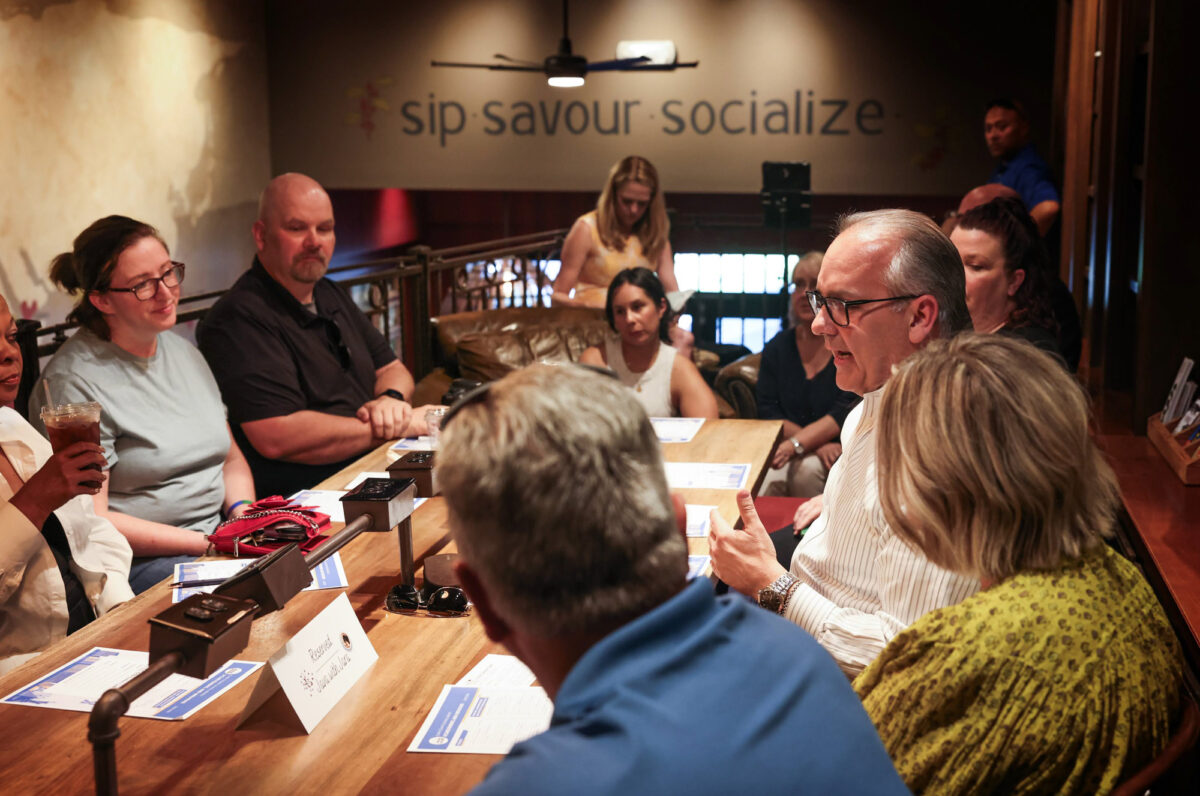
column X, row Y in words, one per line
column 930, row 65
column 155, row 109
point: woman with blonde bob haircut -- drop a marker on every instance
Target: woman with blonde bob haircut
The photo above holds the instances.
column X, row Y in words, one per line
column 1062, row 674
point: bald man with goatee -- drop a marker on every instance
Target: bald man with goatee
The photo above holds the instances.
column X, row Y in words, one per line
column 309, row 382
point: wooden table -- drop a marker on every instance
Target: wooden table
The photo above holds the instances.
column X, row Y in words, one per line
column 360, row 746
column 1162, row 532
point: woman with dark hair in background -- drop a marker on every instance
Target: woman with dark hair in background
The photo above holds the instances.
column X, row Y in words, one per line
column 174, row 468
column 797, row 384
column 1007, row 271
column 665, row 384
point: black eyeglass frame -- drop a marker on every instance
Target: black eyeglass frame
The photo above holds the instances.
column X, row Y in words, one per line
column 476, row 394
column 817, row 302
column 176, row 270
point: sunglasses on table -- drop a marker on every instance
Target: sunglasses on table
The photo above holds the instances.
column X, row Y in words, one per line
column 444, row 601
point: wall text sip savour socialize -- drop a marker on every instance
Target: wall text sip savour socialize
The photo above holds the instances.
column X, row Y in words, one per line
column 804, row 113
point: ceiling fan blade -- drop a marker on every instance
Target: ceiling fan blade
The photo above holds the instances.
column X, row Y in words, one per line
column 511, row 60
column 659, row 67
column 620, row 63
column 493, row 67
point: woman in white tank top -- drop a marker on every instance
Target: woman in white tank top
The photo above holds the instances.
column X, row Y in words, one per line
column 665, row 384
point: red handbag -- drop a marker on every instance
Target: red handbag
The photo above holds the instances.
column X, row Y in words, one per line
column 267, row 525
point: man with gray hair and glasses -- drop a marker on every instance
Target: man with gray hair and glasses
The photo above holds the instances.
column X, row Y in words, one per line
column 890, row 283
column 573, row 553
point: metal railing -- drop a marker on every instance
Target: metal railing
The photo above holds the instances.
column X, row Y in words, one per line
column 399, row 294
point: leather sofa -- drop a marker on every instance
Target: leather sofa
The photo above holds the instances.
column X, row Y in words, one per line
column 485, row 345
column 737, row 385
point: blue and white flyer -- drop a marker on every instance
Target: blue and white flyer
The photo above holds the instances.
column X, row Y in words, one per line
column 197, row 577
column 676, row 429
column 698, row 565
column 78, row 684
column 483, row 720
column 706, row 475
column 698, row 519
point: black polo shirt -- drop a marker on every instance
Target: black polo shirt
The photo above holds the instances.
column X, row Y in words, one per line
column 271, row 357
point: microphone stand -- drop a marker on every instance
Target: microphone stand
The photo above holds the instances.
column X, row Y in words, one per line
column 198, row 635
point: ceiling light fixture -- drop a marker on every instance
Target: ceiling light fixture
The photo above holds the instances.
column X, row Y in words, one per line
column 564, row 69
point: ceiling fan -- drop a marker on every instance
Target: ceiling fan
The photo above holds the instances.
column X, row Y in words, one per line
column 565, row 69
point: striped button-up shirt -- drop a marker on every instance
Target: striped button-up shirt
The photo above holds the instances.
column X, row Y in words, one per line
column 860, row 585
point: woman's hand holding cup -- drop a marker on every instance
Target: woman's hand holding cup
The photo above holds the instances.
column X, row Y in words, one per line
column 75, row 470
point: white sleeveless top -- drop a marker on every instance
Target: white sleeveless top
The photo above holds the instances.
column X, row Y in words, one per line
column 652, row 388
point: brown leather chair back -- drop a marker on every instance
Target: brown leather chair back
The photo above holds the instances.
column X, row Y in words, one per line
column 518, row 335
column 737, row 383
column 1187, row 730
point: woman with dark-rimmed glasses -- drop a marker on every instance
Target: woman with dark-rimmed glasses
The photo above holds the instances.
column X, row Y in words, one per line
column 173, row 466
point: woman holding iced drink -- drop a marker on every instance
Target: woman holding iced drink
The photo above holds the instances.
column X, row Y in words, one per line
column 60, row 564
column 174, row 469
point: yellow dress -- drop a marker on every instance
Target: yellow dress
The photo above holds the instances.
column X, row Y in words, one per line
column 1048, row 682
column 604, row 263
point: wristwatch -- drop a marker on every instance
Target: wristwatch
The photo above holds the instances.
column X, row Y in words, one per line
column 796, row 444
column 399, row 396
column 774, row 597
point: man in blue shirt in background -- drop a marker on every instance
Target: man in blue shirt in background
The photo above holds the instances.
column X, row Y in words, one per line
column 1006, row 132
column 574, row 555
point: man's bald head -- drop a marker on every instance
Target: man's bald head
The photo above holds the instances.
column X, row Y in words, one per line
column 984, row 194
column 294, row 232
column 283, row 188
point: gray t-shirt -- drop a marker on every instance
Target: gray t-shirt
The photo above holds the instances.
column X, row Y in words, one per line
column 162, row 425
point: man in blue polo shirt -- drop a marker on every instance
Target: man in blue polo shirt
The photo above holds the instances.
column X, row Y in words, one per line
column 573, row 553
column 1006, row 132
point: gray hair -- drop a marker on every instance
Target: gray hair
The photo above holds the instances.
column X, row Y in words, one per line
column 558, row 498
column 925, row 262
column 808, row 267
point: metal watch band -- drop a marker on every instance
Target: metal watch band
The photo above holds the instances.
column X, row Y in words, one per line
column 796, row 444
column 773, row 597
column 787, row 595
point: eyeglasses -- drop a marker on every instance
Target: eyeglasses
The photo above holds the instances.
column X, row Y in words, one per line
column 148, row 288
column 446, row 601
column 477, row 394
column 839, row 309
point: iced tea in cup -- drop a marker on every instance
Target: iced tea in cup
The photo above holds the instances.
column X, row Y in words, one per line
column 67, row 424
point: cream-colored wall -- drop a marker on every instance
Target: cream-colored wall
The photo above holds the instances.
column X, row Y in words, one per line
column 929, row 65
column 155, row 109
column 159, row 108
